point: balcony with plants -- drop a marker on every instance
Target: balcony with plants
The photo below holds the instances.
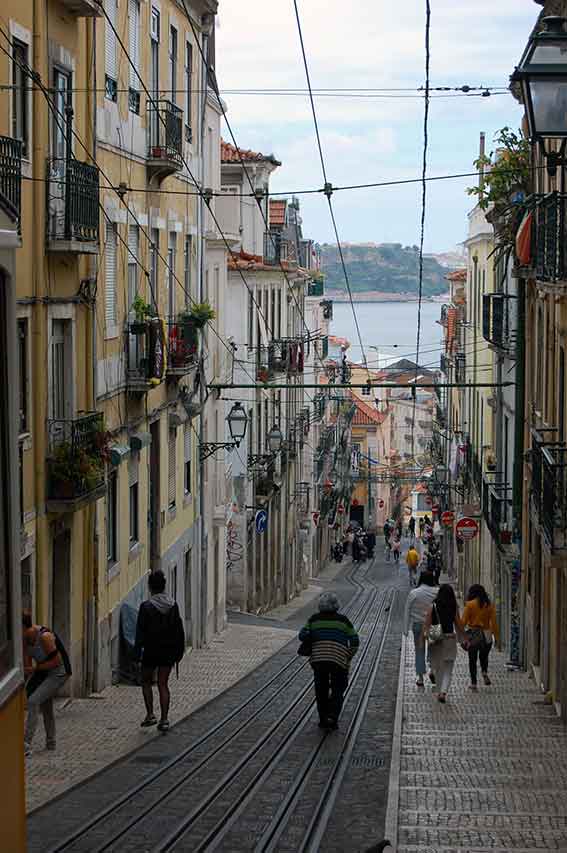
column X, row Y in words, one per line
column 72, row 206
column 146, row 354
column 165, row 142
column 11, row 179
column 183, row 338
column 76, row 464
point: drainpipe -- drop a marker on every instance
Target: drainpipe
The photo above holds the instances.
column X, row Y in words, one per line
column 518, row 591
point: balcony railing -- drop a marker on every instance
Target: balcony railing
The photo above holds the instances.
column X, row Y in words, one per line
column 460, row 368
column 496, row 325
column 182, row 346
column 72, row 206
column 76, row 461
column 444, row 364
column 145, row 351
column 285, row 356
column 549, row 487
column 11, row 177
column 276, row 248
column 165, row 149
column 549, row 246
column 327, row 306
column 316, row 288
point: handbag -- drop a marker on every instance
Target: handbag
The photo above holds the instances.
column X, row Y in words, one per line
column 474, row 639
column 435, row 632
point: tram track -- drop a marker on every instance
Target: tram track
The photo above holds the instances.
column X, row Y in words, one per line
column 110, row 827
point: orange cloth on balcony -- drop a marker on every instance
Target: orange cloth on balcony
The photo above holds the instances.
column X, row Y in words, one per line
column 524, row 240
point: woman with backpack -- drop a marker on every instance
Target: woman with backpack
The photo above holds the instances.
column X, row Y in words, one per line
column 160, row 642
column 479, row 617
column 47, row 664
column 441, row 628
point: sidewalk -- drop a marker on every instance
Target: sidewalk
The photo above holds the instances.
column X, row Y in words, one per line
column 485, row 772
column 95, row 731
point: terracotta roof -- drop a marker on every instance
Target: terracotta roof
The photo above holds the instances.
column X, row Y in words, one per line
column 229, row 154
column 366, row 415
column 245, row 261
column 339, row 342
column 457, row 275
column 277, row 211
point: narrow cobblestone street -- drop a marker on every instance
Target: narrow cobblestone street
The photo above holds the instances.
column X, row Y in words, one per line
column 484, row 772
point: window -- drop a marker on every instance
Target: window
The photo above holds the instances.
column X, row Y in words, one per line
column 366, row 391
column 24, row 373
column 154, row 257
column 171, row 478
column 110, row 275
column 112, row 517
column 187, row 269
column 173, row 63
column 133, row 253
column 187, row 458
column 59, row 370
column 134, row 51
column 188, row 93
column 171, row 252
column 133, row 468
column 154, row 52
column 110, row 50
column 62, row 101
column 20, row 103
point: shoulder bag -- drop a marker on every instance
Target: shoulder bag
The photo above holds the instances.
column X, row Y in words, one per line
column 435, row 632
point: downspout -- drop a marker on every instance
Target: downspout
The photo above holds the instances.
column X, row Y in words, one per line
column 517, row 591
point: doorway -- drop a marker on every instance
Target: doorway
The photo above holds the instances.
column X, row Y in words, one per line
column 61, row 588
column 154, row 493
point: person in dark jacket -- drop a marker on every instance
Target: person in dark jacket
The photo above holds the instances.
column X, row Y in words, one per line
column 160, row 643
column 333, row 642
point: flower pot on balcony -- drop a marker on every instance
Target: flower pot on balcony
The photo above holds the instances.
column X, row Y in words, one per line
column 138, row 328
column 263, row 374
column 157, row 152
column 63, row 489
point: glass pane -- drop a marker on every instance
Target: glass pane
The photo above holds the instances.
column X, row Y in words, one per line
column 549, row 99
column 549, row 54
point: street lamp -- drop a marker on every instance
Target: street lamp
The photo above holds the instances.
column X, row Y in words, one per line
column 237, row 423
column 275, row 440
column 542, row 74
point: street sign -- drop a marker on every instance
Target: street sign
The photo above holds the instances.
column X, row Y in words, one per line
column 261, row 521
column 381, row 503
column 467, row 528
column 448, row 518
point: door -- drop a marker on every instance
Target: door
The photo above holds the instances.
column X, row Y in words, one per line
column 61, row 588
column 154, row 495
column 188, row 597
column 216, row 570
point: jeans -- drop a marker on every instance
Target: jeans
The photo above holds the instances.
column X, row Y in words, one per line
column 443, row 656
column 419, row 641
column 42, row 697
column 480, row 653
column 331, row 681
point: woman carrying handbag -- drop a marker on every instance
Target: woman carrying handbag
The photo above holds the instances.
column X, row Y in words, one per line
column 441, row 627
column 479, row 616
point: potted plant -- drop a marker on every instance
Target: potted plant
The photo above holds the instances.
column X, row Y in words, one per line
column 142, row 313
column 74, row 473
column 200, row 314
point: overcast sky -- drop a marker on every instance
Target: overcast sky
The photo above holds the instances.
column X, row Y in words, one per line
column 380, row 45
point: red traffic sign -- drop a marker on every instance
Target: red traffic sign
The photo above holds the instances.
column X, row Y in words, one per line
column 467, row 528
column 447, row 518
column 381, row 503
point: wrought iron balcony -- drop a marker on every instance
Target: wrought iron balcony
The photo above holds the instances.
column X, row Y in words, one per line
column 83, row 8
column 11, row 178
column 182, row 346
column 444, row 314
column 549, row 488
column 165, row 149
column 327, row 306
column 72, row 206
column 496, row 325
column 496, row 498
column 145, row 355
column 78, row 450
column 276, row 248
column 444, row 364
column 460, row 367
column 316, row 288
column 285, row 355
column 549, row 244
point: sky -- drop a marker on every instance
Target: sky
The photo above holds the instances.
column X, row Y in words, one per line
column 372, row 44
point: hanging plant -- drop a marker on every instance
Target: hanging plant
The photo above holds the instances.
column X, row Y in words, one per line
column 201, row 313
column 142, row 313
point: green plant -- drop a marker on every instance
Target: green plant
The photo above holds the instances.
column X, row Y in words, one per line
column 201, row 313
column 506, row 170
column 79, row 467
column 141, row 309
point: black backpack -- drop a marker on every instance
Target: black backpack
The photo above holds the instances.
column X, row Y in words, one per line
column 60, row 648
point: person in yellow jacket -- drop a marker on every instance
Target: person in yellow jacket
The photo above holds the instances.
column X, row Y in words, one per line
column 412, row 560
column 480, row 613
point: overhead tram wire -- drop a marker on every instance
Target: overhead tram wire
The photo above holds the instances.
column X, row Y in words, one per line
column 423, row 204
column 328, row 189
column 53, row 109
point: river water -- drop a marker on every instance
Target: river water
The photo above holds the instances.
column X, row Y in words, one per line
column 388, row 331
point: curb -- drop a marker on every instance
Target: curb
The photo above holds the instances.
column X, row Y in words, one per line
column 391, row 827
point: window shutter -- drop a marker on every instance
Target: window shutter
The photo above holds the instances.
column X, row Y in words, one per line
column 133, row 467
column 134, row 41
column 171, row 480
column 133, row 244
column 111, row 8
column 187, row 442
column 110, row 274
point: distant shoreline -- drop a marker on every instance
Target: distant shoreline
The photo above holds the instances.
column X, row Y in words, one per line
column 376, row 296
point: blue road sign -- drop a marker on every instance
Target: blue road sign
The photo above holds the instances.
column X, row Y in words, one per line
column 261, row 521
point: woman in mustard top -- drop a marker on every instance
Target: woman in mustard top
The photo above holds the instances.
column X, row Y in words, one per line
column 480, row 613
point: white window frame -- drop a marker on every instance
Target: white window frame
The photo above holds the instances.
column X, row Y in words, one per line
column 110, row 47
column 134, row 52
column 111, row 240
column 24, row 36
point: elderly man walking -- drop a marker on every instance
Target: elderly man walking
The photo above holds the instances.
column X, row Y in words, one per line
column 331, row 641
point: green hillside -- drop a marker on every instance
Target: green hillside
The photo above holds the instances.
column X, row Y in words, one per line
column 386, row 267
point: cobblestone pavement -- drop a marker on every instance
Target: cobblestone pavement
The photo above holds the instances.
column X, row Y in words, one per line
column 93, row 732
column 486, row 771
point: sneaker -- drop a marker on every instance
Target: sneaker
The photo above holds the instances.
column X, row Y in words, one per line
column 419, row 681
column 432, row 678
column 442, row 698
column 163, row 726
column 486, row 679
column 473, row 687
column 332, row 724
column 50, row 745
column 150, row 720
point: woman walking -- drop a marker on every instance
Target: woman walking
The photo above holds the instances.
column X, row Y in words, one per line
column 479, row 616
column 396, row 547
column 443, row 653
column 418, row 603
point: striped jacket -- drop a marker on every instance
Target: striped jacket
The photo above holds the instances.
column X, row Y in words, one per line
column 332, row 639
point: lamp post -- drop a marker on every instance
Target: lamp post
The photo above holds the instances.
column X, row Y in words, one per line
column 542, row 75
column 237, row 422
column 275, row 440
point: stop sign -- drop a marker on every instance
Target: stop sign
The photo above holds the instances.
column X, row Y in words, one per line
column 381, row 503
column 447, row 518
column 467, row 528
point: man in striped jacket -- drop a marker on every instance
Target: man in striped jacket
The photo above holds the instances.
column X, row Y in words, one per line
column 333, row 642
